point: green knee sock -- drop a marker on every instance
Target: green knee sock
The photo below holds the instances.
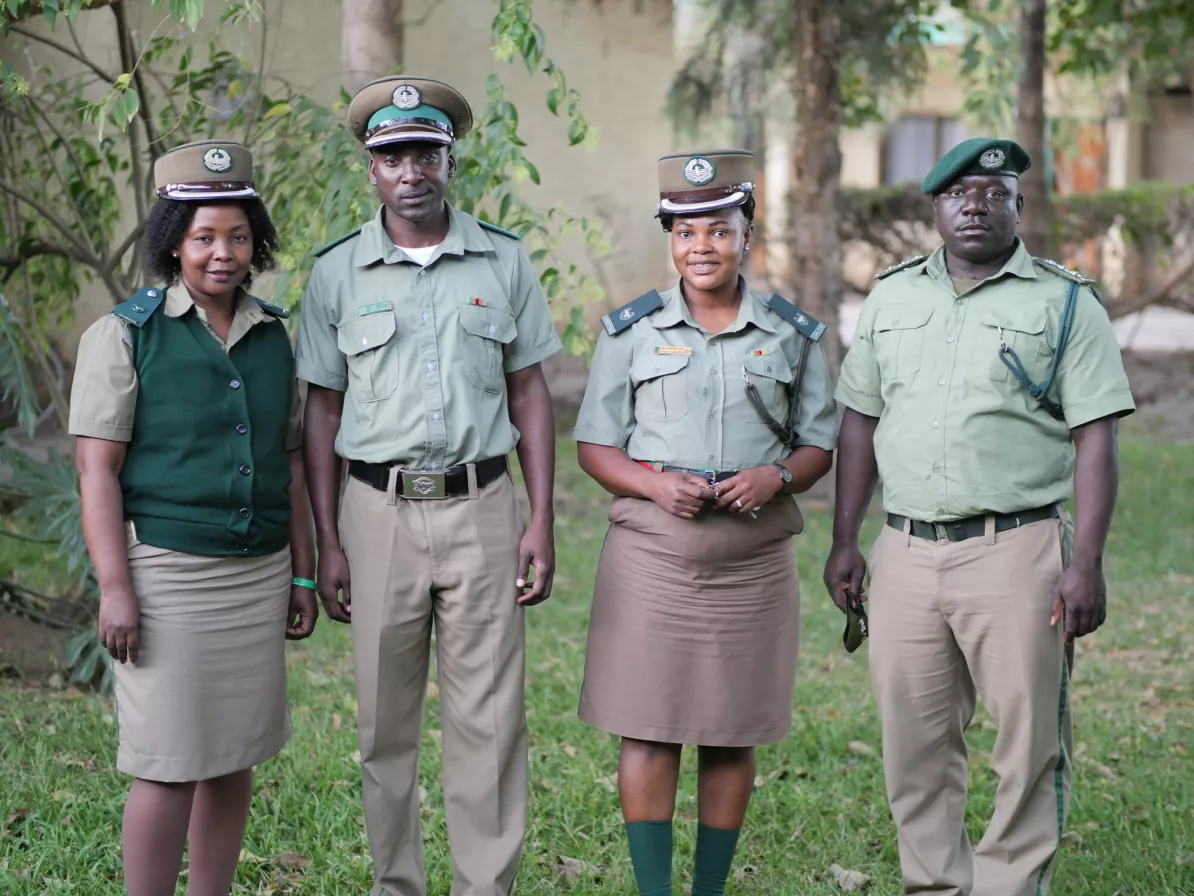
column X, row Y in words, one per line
column 651, row 855
column 714, row 856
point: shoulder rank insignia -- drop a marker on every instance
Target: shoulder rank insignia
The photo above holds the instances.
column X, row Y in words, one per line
column 896, row 268
column 273, row 310
column 621, row 318
column 808, row 326
column 496, row 229
column 140, row 306
column 319, row 253
column 1063, row 271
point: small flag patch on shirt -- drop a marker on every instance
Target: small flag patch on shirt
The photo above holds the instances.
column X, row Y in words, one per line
column 375, row 308
column 480, row 303
column 673, row 350
column 760, row 352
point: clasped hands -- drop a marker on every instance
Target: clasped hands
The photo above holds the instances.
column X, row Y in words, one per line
column 684, row 495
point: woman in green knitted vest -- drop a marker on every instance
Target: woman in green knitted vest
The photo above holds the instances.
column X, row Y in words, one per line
column 196, row 518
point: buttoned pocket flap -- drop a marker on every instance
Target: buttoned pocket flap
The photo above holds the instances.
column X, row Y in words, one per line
column 649, row 367
column 901, row 317
column 773, row 367
column 362, row 334
column 1021, row 320
column 488, row 322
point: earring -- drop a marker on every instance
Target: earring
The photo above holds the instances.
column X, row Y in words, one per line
column 175, row 254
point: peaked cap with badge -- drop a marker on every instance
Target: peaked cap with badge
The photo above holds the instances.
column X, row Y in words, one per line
column 695, row 182
column 978, row 155
column 205, row 170
column 402, row 110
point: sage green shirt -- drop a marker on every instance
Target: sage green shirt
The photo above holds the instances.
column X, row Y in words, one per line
column 958, row 435
column 667, row 390
column 421, row 352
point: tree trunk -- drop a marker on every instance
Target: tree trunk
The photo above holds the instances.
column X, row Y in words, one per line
column 817, row 278
column 371, row 35
column 1036, row 227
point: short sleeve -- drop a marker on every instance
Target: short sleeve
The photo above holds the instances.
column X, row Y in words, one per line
column 103, row 400
column 607, row 412
column 817, row 424
column 859, row 386
column 536, row 338
column 318, row 358
column 1091, row 382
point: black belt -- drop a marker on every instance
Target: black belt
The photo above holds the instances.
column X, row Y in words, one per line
column 972, row 526
column 420, row 485
column 710, row 476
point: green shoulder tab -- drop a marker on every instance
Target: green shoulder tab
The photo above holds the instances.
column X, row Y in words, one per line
column 903, row 265
column 274, row 310
column 1062, row 271
column 621, row 318
column 334, row 243
column 501, row 230
column 809, row 327
column 140, row 306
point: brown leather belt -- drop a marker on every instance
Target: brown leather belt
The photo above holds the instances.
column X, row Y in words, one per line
column 424, row 485
column 972, row 526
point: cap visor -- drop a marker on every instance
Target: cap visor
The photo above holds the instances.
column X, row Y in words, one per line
column 692, row 208
column 207, row 195
column 408, row 135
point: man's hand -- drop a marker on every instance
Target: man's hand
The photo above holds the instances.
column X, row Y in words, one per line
column 334, row 584
column 845, row 571
column 681, row 494
column 120, row 625
column 301, row 616
column 749, row 490
column 537, row 550
column 1081, row 596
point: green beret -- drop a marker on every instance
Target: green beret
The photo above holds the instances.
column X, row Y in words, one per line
column 978, row 155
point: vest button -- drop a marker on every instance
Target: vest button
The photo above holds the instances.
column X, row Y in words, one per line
column 245, row 513
column 235, row 384
column 243, row 548
column 245, row 469
column 241, row 429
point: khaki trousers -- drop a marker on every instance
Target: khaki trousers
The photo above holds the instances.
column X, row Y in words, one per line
column 452, row 562
column 947, row 620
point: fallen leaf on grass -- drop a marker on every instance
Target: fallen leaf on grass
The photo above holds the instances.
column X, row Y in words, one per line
column 609, row 782
column 741, row 875
column 1138, row 812
column 246, row 856
column 858, row 748
column 336, row 721
column 292, row 861
column 1102, row 770
column 1072, row 838
column 570, row 750
column 569, row 871
column 17, row 815
column 356, row 756
column 849, row 881
column 65, row 821
column 63, row 796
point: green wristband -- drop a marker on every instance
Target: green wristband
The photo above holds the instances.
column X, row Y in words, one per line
column 306, row 583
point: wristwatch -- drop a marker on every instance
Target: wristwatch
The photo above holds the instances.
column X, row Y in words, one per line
column 784, row 473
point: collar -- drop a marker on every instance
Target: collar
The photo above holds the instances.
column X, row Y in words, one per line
column 752, row 309
column 374, row 244
column 1019, row 265
column 179, row 302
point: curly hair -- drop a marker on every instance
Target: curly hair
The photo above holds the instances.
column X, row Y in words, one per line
column 667, row 219
column 167, row 225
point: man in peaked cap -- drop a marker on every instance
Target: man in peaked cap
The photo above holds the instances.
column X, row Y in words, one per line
column 981, row 383
column 422, row 335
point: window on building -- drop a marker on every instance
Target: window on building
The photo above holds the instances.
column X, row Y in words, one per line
column 915, row 143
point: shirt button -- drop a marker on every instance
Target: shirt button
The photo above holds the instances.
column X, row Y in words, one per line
column 936, row 468
column 957, row 301
column 245, row 469
column 235, row 384
column 710, row 457
column 431, row 366
column 243, row 548
column 895, row 322
column 426, row 315
column 436, row 415
column 712, row 414
column 713, row 370
column 421, row 272
column 492, row 330
column 940, row 511
column 245, row 513
column 940, row 382
column 936, row 424
column 949, row 339
column 434, row 465
column 241, row 428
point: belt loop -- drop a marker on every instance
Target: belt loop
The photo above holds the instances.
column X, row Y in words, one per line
column 989, row 529
column 471, row 472
column 392, row 486
column 907, row 530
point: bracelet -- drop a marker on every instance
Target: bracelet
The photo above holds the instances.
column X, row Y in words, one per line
column 306, row 583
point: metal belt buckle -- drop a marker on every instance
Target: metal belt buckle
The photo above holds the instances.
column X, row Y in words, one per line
column 419, row 485
column 942, row 532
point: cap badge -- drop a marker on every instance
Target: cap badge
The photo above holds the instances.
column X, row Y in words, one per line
column 699, row 171
column 992, row 158
column 406, row 97
column 217, row 159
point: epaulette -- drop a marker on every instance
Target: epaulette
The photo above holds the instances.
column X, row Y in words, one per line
column 1063, row 271
column 334, row 243
column 896, row 268
column 808, row 326
column 621, row 318
column 274, row 310
column 501, row 230
column 140, row 306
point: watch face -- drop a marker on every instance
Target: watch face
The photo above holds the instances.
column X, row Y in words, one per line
column 784, row 473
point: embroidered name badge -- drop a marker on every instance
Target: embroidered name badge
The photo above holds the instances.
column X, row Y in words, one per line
column 480, row 303
column 673, row 350
column 375, row 308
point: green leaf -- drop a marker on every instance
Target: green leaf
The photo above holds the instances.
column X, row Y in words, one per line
column 553, row 100
column 532, row 171
column 277, row 111
column 49, row 9
column 122, row 82
column 577, row 131
column 14, row 7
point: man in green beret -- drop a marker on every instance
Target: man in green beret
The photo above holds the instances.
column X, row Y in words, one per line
column 981, row 383
column 421, row 337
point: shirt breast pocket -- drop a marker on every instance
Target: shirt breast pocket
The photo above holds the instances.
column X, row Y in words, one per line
column 771, row 376
column 660, row 387
column 1022, row 331
column 900, row 338
column 489, row 330
column 370, row 350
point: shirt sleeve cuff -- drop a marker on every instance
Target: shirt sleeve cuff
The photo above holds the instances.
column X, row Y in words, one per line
column 533, row 355
column 316, row 375
column 600, row 437
column 825, row 443
column 864, row 404
column 96, row 429
column 1113, row 404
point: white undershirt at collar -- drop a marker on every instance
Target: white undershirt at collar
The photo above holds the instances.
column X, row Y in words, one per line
column 422, row 254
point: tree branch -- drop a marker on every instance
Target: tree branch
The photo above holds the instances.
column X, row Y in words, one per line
column 124, row 42
column 35, row 9
column 135, row 234
column 1123, row 309
column 65, row 50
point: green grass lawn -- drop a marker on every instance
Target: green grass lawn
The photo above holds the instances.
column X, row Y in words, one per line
column 819, row 798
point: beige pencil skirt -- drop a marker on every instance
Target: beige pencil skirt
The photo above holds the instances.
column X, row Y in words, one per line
column 695, row 626
column 208, row 694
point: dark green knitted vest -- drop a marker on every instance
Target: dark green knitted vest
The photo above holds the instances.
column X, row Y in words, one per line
column 206, row 470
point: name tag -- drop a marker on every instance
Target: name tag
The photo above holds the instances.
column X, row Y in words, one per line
column 375, row 308
column 673, row 350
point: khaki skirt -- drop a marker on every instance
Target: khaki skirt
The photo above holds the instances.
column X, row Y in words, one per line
column 695, row 626
column 208, row 694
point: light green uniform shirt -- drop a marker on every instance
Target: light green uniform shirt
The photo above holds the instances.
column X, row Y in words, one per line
column 958, row 435
column 691, row 410
column 421, row 352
